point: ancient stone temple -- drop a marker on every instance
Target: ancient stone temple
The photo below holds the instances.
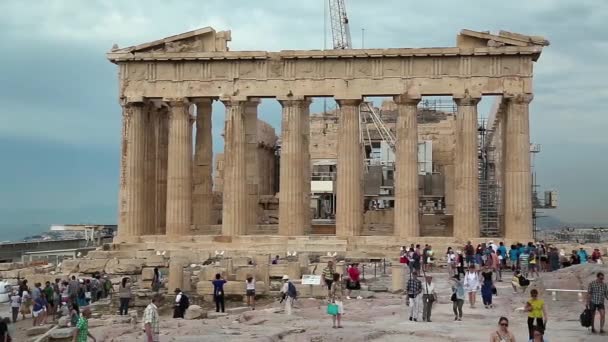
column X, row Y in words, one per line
column 167, row 87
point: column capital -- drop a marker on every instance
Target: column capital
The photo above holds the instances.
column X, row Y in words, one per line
column 466, row 99
column 201, row 100
column 230, row 101
column 349, row 102
column 176, row 101
column 406, row 98
column 132, row 101
column 519, row 98
column 292, row 101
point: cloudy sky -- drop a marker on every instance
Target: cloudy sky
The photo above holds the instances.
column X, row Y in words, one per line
column 60, row 119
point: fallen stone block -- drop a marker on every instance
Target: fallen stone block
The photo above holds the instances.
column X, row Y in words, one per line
column 39, row 330
column 91, row 266
column 195, row 312
column 124, row 266
column 62, row 333
column 213, row 314
column 63, row 321
column 7, row 266
column 70, row 265
column 238, row 311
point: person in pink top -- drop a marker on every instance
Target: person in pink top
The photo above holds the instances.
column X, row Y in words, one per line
column 354, row 279
column 496, row 265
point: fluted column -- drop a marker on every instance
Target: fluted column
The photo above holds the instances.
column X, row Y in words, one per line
column 131, row 192
column 349, row 210
column 466, row 170
column 292, row 215
column 179, row 170
column 251, row 159
column 234, row 212
column 406, row 168
column 517, row 181
column 202, row 197
column 162, row 155
column 150, row 114
column 306, row 164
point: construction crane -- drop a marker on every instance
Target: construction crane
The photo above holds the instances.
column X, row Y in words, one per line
column 340, row 30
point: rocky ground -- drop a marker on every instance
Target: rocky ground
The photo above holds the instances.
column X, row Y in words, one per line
column 381, row 318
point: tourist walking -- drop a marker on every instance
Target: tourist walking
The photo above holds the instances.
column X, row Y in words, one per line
column 471, row 284
column 157, row 280
column 457, row 297
column 336, row 295
column 124, row 295
column 26, row 303
column 536, row 312
column 289, row 293
column 151, row 320
column 4, row 335
column 414, row 291
column 74, row 315
column 533, row 263
column 218, row 292
column 469, row 252
column 514, row 258
column 597, row 292
column 539, row 335
column 328, row 275
column 429, row 296
column 73, row 289
column 502, row 334
column 15, row 305
column 450, row 258
column 460, row 263
column 487, row 287
column 250, row 291
column 182, row 302
column 582, row 255
column 81, row 333
column 49, row 295
column 596, row 256
column 524, row 258
column 39, row 311
column 553, row 256
column 353, row 282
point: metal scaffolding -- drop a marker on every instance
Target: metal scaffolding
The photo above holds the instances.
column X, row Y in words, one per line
column 489, row 190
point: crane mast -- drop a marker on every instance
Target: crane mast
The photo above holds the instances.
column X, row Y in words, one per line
column 339, row 25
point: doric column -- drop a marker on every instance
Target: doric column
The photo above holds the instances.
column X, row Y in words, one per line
column 466, row 170
column 292, row 215
column 131, row 193
column 349, row 211
column 179, row 170
column 251, row 159
column 150, row 122
column 406, row 168
column 202, row 197
column 234, row 212
column 162, row 154
column 518, row 188
column 306, row 164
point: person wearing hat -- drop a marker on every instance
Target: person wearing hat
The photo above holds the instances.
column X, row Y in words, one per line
column 288, row 292
column 182, row 302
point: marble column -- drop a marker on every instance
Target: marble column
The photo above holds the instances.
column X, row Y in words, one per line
column 466, row 170
column 306, row 164
column 406, row 168
column 162, row 154
column 292, row 216
column 234, row 212
column 349, row 194
column 517, row 178
column 252, row 160
column 202, row 197
column 179, row 169
column 131, row 193
column 150, row 114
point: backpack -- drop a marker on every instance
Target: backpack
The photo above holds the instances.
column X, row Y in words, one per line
column 184, row 302
column 523, row 281
column 586, row 318
column 291, row 290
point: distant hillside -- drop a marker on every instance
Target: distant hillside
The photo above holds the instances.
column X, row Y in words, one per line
column 550, row 222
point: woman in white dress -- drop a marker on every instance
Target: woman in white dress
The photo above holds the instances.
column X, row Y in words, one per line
column 471, row 284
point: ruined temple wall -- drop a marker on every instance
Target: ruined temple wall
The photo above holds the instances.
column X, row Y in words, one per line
column 323, row 137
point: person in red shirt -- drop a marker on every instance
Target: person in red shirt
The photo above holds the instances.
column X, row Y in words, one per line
column 354, row 277
column 596, row 256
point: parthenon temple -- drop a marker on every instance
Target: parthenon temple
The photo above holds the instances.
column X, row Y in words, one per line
column 308, row 186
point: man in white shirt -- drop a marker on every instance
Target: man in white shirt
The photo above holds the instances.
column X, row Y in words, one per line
column 151, row 319
column 428, row 297
column 287, row 297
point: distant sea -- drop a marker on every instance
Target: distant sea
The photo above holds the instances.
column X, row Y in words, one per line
column 18, row 232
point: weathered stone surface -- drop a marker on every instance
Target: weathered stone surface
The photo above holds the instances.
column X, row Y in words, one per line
column 238, row 310
column 62, row 333
column 9, row 274
column 243, row 272
column 278, row 270
column 147, row 273
column 213, row 314
column 39, row 330
column 90, row 266
column 7, row 266
column 209, row 272
column 194, row 312
column 378, row 288
column 124, row 266
column 70, row 265
column 63, row 321
column 156, row 261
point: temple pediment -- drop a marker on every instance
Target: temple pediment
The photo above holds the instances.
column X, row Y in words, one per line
column 475, row 39
column 202, row 40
